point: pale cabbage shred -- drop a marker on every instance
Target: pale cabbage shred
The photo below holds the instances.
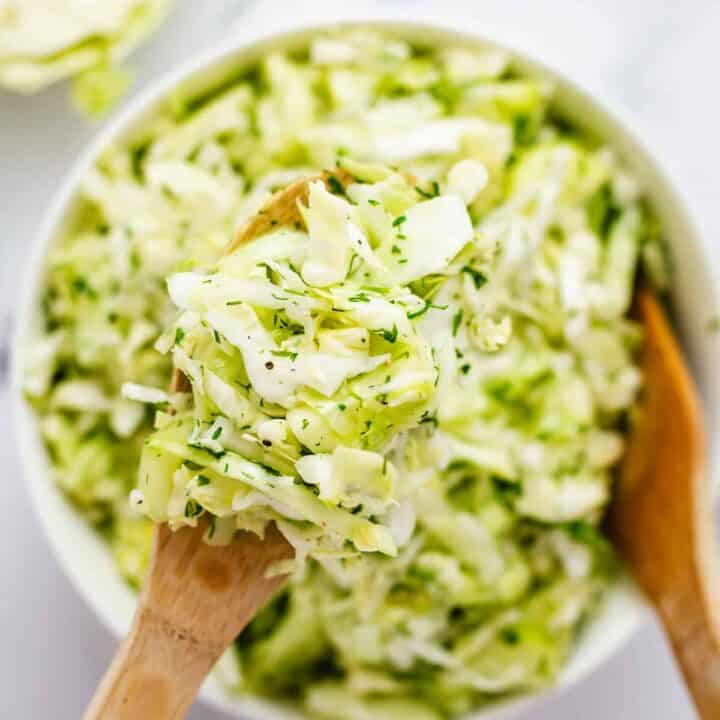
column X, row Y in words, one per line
column 511, row 471
column 43, row 41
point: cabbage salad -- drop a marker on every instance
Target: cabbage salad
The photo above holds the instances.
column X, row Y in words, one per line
column 424, row 384
column 43, row 41
column 309, row 355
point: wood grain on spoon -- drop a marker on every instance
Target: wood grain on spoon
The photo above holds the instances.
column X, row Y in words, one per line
column 662, row 517
column 196, row 598
column 195, row 601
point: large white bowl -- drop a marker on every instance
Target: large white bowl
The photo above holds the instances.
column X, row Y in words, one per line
column 85, row 558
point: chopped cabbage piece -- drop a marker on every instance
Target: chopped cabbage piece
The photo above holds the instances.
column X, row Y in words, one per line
column 43, row 41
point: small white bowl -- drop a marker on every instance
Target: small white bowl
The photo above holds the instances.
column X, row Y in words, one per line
column 82, row 554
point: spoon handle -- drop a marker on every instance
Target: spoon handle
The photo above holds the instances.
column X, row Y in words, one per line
column 692, row 626
column 156, row 673
column 195, row 601
column 662, row 516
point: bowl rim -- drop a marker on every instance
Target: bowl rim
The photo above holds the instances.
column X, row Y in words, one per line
column 257, row 30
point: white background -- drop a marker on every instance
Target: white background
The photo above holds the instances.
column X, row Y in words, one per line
column 658, row 58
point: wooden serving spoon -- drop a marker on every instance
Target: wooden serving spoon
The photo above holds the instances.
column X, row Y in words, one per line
column 196, row 598
column 661, row 517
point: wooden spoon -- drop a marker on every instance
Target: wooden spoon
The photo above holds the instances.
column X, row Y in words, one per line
column 661, row 517
column 196, row 598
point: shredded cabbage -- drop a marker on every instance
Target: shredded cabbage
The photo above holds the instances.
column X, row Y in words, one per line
column 306, row 365
column 43, row 41
column 476, row 556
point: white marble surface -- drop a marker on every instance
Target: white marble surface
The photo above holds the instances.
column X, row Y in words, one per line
column 657, row 58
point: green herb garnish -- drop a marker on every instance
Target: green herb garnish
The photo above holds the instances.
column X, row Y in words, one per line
column 428, row 195
column 335, row 185
column 389, row 335
column 457, row 319
column 284, row 353
column 477, row 277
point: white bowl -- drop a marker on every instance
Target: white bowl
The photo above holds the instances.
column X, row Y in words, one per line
column 86, row 559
